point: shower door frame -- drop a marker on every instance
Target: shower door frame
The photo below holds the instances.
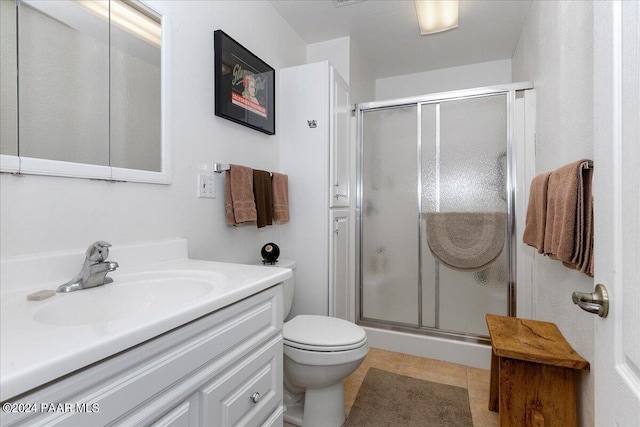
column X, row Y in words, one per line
column 510, row 91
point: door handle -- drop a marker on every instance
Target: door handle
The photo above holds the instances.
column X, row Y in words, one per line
column 596, row 302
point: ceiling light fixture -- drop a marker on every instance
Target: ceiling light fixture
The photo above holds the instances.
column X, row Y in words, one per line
column 435, row 16
column 127, row 18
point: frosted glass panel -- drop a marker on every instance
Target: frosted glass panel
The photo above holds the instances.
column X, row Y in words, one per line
column 465, row 297
column 464, row 145
column 390, row 216
column 473, row 150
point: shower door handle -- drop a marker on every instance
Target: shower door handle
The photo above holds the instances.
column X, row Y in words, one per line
column 596, row 302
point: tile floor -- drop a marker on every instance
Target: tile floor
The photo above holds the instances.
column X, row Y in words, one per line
column 476, row 381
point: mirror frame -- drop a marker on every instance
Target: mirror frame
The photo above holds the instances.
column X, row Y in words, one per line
column 35, row 166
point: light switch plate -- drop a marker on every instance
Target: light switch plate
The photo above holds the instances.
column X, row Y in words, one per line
column 206, row 186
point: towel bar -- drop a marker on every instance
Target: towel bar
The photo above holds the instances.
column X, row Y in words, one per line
column 221, row 167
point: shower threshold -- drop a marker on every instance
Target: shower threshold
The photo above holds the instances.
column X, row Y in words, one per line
column 454, row 347
column 427, row 331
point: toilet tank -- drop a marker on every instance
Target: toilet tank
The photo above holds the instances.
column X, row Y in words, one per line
column 287, row 285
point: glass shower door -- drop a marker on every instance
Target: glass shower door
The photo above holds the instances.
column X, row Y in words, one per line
column 434, row 234
column 389, row 220
column 464, row 167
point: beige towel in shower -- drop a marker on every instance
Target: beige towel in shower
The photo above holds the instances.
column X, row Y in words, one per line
column 466, row 240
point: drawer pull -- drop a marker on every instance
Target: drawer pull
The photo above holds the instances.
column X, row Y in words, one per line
column 255, row 397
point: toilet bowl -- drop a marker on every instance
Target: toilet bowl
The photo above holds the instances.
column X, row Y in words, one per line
column 319, row 352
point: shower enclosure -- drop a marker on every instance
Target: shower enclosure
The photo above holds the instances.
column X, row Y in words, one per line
column 435, row 212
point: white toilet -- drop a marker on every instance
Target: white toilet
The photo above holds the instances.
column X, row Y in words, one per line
column 319, row 352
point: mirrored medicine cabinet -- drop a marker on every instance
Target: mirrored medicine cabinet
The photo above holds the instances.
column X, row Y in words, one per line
column 85, row 89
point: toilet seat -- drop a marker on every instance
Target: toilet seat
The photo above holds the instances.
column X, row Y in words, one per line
column 323, row 334
column 327, row 349
column 325, row 358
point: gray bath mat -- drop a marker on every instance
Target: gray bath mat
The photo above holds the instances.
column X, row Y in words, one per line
column 466, row 240
column 388, row 399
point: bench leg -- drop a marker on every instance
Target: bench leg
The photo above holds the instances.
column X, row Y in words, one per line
column 494, row 387
column 533, row 394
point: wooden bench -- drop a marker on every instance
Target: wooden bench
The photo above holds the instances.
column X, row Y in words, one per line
column 533, row 373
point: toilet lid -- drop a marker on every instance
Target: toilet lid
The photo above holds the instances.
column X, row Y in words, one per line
column 323, row 333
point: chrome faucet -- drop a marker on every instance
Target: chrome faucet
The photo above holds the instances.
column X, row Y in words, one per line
column 94, row 270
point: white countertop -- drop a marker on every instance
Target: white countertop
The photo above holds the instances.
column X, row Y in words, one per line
column 34, row 351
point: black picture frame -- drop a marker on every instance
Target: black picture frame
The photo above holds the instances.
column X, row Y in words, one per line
column 245, row 86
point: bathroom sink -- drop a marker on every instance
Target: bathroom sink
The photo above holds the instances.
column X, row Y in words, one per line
column 156, row 289
column 129, row 295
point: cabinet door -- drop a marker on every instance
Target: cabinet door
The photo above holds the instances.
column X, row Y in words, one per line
column 340, row 283
column 340, row 112
column 248, row 393
column 304, row 155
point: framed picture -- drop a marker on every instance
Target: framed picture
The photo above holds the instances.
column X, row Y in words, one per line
column 244, row 86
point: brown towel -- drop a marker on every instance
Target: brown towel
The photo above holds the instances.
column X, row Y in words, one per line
column 466, row 240
column 584, row 231
column 239, row 182
column 228, row 202
column 563, row 219
column 582, row 258
column 536, row 212
column 264, row 197
column 280, row 197
column 559, row 219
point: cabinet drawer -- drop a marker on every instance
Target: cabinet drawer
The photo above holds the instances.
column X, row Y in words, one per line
column 178, row 417
column 275, row 419
column 247, row 393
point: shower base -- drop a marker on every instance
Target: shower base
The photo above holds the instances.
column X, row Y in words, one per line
column 464, row 352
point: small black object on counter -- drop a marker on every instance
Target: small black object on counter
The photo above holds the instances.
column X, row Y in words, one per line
column 270, row 253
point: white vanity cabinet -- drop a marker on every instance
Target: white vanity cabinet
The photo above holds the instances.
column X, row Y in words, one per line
column 314, row 128
column 223, row 369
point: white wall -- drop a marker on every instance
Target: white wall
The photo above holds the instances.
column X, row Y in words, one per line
column 42, row 214
column 559, row 60
column 346, row 58
column 362, row 83
column 445, row 79
column 335, row 51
